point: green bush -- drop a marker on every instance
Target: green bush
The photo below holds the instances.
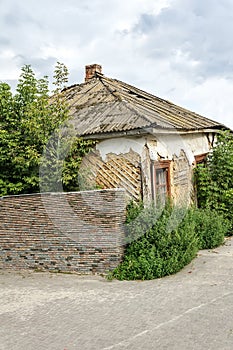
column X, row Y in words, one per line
column 210, row 226
column 133, row 209
column 165, row 241
column 139, row 219
column 161, row 241
column 214, row 178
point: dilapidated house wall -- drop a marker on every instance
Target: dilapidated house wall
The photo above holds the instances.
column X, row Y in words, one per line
column 146, row 144
column 115, row 171
column 128, row 162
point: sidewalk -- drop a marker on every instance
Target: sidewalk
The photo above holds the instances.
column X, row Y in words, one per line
column 190, row 310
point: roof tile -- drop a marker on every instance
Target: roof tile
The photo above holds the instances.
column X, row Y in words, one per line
column 104, row 105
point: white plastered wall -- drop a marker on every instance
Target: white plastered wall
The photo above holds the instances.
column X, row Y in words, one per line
column 173, row 147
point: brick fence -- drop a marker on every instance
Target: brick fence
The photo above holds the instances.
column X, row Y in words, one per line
column 75, row 231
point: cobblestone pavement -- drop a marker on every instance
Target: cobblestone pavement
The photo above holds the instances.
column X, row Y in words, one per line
column 190, row 310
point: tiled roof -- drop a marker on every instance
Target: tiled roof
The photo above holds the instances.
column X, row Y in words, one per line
column 103, row 105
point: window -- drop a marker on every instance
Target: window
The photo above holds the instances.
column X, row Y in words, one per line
column 160, row 181
column 201, row 158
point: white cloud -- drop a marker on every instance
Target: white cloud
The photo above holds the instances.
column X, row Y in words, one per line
column 213, row 99
column 177, row 49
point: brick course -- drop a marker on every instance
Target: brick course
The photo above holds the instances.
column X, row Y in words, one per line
column 77, row 231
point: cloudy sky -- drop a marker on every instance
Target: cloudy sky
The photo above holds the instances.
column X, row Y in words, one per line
column 181, row 50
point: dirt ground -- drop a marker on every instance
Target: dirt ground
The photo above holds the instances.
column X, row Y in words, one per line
column 190, row 310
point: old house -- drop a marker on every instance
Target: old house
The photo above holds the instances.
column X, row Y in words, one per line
column 147, row 145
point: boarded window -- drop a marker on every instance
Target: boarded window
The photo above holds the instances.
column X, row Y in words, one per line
column 160, row 181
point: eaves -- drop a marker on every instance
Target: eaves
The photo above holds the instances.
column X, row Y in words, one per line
column 149, row 131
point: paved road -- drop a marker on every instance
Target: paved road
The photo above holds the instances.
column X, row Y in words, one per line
column 191, row 310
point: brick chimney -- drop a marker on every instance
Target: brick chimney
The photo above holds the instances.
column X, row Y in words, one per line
column 91, row 70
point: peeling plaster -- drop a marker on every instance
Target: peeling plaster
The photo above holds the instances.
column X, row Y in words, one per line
column 120, row 146
column 180, row 149
column 199, row 143
column 159, row 146
column 168, row 146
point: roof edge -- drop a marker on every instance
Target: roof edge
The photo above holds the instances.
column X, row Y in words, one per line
column 151, row 131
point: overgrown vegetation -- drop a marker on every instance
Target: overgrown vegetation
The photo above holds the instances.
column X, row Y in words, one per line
column 27, row 120
column 210, row 226
column 215, row 179
column 163, row 240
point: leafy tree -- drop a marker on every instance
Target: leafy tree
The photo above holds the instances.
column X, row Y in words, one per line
column 27, row 120
column 72, row 176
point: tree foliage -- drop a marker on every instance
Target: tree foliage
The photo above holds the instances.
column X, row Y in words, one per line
column 28, row 118
column 215, row 178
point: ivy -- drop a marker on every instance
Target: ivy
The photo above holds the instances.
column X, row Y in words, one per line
column 214, row 180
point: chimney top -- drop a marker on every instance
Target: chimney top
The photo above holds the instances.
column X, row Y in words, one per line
column 91, row 70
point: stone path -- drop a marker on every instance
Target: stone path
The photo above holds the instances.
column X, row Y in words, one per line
column 190, row 310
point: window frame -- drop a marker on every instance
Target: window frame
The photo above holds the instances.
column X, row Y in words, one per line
column 156, row 165
column 200, row 158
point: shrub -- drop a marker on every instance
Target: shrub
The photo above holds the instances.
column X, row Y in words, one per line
column 133, row 209
column 214, row 179
column 161, row 241
column 160, row 247
column 210, row 226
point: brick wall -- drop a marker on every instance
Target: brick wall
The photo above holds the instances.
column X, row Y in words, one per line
column 75, row 231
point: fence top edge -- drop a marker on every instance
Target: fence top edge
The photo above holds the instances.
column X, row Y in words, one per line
column 39, row 194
